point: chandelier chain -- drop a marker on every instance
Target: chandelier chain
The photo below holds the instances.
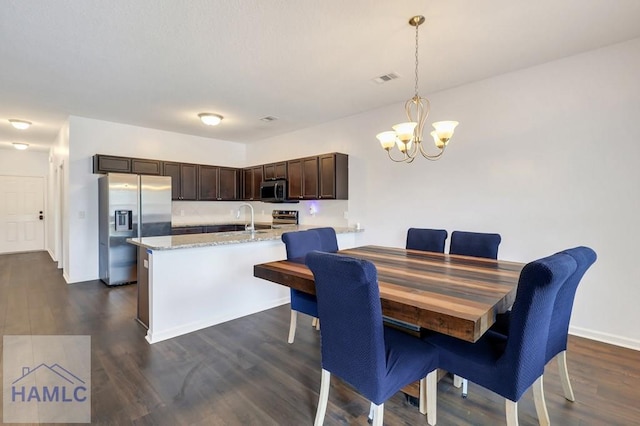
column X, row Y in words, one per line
column 416, row 87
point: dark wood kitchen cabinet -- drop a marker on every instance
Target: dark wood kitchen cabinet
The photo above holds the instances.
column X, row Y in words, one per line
column 229, row 184
column 303, row 178
column 333, row 176
column 111, row 163
column 275, row 171
column 184, row 180
column 218, row 183
column 208, row 183
column 251, row 179
column 141, row 166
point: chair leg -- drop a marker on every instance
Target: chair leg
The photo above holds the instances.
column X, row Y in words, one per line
column 313, row 322
column 378, row 414
column 564, row 376
column 457, row 380
column 538, row 399
column 432, row 396
column 429, row 396
column 325, row 384
column 460, row 381
column 317, row 323
column 511, row 409
column 292, row 326
column 423, row 395
column 371, row 412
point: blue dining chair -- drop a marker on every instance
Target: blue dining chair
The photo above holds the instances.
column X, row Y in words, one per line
column 476, row 244
column 377, row 361
column 426, row 239
column 561, row 316
column 328, row 239
column 297, row 245
column 509, row 365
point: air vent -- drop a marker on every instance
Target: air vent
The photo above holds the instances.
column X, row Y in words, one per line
column 386, row 77
column 268, row 118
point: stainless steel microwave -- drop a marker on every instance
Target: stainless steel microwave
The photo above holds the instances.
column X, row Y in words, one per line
column 273, row 191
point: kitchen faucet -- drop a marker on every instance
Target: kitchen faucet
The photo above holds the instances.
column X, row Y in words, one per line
column 252, row 227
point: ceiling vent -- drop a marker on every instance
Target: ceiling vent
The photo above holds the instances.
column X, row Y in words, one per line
column 268, row 118
column 386, row 77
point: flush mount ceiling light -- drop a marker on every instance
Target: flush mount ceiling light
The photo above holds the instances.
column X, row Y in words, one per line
column 408, row 136
column 20, row 146
column 20, row 124
column 210, row 119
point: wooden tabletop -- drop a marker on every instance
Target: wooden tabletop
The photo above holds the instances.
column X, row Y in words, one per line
column 455, row 295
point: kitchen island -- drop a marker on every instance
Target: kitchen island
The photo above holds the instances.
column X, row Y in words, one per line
column 190, row 282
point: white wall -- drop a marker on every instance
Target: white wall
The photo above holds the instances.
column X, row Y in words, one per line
column 88, row 137
column 23, row 163
column 546, row 156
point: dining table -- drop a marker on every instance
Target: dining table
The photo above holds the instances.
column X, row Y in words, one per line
column 451, row 294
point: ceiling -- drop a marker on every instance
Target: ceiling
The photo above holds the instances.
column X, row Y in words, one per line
column 158, row 63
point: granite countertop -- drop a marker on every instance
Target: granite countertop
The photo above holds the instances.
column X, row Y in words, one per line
column 173, row 242
column 210, row 223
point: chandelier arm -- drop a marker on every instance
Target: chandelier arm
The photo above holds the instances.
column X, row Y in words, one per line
column 413, row 151
column 431, row 157
column 403, row 160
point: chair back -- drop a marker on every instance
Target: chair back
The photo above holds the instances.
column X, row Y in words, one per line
column 349, row 309
column 475, row 244
column 299, row 243
column 525, row 352
column 559, row 326
column 328, row 239
column 426, row 239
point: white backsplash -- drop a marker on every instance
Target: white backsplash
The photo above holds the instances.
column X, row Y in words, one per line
column 325, row 212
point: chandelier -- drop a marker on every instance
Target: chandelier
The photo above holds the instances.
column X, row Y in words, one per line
column 408, row 136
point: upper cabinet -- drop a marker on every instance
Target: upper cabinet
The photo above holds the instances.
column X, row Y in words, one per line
column 252, row 177
column 229, row 184
column 184, row 180
column 303, row 178
column 218, row 183
column 334, row 176
column 324, row 177
column 110, row 163
column 146, row 167
column 275, row 171
column 113, row 164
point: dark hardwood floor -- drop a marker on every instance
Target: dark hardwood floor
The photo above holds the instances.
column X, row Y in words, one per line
column 244, row 373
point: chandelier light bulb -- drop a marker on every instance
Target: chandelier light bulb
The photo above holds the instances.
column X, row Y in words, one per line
column 404, row 131
column 387, row 139
column 445, row 129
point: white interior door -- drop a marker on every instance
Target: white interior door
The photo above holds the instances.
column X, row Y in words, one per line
column 21, row 214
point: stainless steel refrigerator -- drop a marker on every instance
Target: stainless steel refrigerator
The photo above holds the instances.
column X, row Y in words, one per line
column 129, row 206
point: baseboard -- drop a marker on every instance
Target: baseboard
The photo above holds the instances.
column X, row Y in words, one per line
column 159, row 336
column 51, row 255
column 611, row 339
